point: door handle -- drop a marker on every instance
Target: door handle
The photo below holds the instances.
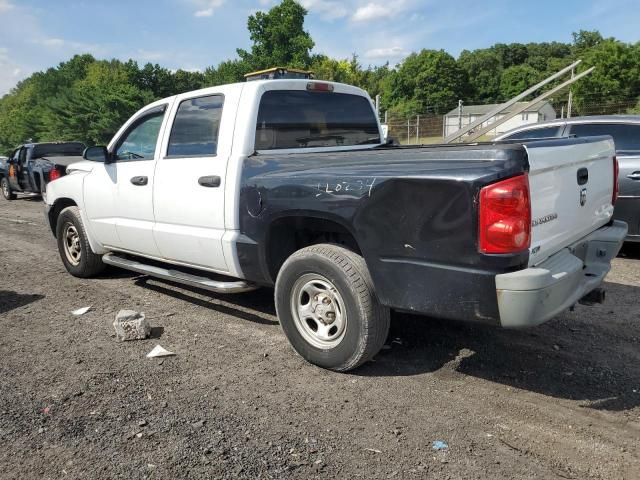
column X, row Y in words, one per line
column 139, row 181
column 634, row 176
column 209, row 181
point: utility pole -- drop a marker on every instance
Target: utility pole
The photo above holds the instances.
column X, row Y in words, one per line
column 418, row 130
column 378, row 105
column 570, row 102
column 408, row 132
column 460, row 103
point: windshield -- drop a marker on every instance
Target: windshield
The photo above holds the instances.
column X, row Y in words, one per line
column 302, row 119
column 72, row 149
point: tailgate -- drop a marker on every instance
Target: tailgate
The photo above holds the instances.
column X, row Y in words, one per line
column 571, row 183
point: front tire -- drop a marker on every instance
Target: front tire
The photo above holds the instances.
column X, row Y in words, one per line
column 73, row 245
column 6, row 189
column 328, row 308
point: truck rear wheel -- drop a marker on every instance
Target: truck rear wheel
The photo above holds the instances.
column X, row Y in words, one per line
column 6, row 189
column 73, row 245
column 328, row 308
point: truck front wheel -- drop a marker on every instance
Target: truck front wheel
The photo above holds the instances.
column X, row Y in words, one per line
column 328, row 308
column 73, row 245
column 6, row 189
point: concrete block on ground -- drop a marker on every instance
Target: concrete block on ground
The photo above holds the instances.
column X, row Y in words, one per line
column 131, row 325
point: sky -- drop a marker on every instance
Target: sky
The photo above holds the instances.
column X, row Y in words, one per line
column 194, row 34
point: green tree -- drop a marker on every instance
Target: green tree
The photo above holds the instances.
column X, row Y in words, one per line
column 431, row 80
column 614, row 82
column 279, row 38
column 154, row 78
column 95, row 108
column 511, row 54
column 185, row 81
column 484, row 69
column 19, row 115
column 516, row 79
column 229, row 71
column 339, row 70
column 585, row 40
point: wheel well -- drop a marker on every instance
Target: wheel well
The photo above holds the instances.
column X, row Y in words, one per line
column 290, row 234
column 55, row 210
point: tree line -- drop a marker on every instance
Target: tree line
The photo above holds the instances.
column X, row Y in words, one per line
column 87, row 99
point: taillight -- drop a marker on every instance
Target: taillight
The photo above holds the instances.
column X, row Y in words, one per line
column 616, row 181
column 505, row 216
column 54, row 174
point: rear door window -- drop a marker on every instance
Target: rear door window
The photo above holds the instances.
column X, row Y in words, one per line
column 544, row 132
column 625, row 136
column 196, row 127
column 304, row 119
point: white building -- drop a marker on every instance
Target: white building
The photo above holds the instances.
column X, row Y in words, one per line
column 453, row 120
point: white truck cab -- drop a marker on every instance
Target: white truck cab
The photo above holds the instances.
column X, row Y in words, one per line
column 152, row 202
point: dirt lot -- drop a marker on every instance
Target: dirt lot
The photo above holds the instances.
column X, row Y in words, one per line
column 558, row 401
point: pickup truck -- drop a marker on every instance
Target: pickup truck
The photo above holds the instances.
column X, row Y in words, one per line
column 32, row 165
column 287, row 184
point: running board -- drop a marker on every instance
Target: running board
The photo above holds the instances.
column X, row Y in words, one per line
column 206, row 283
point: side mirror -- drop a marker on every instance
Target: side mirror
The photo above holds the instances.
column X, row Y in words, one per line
column 96, row 154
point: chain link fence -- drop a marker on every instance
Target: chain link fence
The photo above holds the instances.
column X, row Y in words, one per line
column 429, row 128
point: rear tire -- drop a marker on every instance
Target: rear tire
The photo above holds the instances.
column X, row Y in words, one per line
column 73, row 245
column 328, row 308
column 6, row 189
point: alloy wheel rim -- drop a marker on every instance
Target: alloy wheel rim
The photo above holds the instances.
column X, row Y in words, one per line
column 318, row 311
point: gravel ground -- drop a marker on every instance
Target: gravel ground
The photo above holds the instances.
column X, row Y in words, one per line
column 558, row 401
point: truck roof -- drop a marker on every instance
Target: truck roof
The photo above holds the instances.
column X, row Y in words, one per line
column 256, row 85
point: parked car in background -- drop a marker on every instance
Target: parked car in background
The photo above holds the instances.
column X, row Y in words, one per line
column 3, row 164
column 32, row 165
column 625, row 130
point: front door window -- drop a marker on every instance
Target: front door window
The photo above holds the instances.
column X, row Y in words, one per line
column 139, row 142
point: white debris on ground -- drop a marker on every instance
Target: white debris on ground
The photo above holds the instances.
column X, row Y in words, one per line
column 158, row 351
column 81, row 311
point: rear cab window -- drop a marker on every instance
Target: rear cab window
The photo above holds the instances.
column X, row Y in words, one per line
column 293, row 119
column 625, row 136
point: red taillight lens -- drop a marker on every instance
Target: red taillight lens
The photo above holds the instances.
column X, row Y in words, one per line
column 54, row 174
column 505, row 216
column 616, row 181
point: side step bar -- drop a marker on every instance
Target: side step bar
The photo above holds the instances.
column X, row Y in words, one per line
column 206, row 283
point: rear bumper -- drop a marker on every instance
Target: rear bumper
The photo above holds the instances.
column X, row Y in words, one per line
column 532, row 296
